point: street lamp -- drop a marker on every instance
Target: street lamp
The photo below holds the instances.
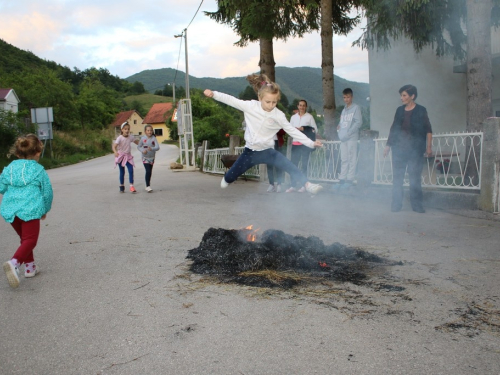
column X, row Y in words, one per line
column 184, row 33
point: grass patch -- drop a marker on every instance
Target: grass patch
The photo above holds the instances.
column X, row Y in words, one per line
column 147, row 100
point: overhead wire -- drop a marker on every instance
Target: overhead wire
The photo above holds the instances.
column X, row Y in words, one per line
column 182, row 35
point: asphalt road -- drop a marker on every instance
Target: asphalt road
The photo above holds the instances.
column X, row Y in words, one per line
column 115, row 296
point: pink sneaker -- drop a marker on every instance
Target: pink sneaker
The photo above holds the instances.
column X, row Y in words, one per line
column 290, row 190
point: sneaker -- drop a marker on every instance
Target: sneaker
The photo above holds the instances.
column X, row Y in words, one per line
column 290, row 190
column 278, row 188
column 271, row 189
column 301, row 190
column 223, row 183
column 313, row 188
column 148, row 189
column 122, row 189
column 132, row 189
column 31, row 273
column 12, row 274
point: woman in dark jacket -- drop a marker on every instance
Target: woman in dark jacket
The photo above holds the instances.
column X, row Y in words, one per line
column 410, row 138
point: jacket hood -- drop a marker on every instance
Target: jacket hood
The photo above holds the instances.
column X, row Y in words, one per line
column 21, row 172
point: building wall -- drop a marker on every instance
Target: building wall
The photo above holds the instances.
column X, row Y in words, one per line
column 136, row 126
column 441, row 91
column 10, row 104
column 164, row 130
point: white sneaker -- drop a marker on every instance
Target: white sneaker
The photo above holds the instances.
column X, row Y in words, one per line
column 278, row 189
column 301, row 190
column 313, row 188
column 270, row 189
column 290, row 190
column 148, row 189
column 12, row 274
column 28, row 273
column 223, row 183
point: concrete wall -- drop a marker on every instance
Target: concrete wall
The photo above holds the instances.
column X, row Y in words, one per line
column 440, row 90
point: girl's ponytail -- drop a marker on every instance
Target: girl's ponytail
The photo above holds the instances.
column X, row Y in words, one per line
column 263, row 85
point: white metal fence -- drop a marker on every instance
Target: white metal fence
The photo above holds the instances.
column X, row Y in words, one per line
column 212, row 162
column 455, row 164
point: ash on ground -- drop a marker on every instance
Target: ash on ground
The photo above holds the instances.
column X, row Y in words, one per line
column 278, row 259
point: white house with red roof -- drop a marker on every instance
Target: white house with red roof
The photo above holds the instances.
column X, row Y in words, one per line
column 9, row 101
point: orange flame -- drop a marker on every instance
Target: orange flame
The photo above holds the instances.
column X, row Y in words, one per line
column 252, row 236
column 323, row 264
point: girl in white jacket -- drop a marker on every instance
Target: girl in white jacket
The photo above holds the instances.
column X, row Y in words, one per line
column 263, row 120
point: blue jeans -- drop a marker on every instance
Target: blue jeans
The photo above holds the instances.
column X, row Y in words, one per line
column 275, row 174
column 149, row 171
column 130, row 169
column 269, row 156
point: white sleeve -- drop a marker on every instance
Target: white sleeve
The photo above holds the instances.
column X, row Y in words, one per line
column 242, row 105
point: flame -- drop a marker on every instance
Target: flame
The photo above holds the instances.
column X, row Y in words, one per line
column 252, row 236
column 323, row 264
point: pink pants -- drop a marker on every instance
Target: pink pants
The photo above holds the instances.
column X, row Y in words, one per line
column 28, row 232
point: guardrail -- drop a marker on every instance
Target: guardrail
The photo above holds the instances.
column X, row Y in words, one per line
column 455, row 163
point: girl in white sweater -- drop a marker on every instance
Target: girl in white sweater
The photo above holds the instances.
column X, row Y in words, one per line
column 263, row 120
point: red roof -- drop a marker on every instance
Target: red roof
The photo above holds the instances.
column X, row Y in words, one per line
column 158, row 113
column 122, row 117
column 4, row 93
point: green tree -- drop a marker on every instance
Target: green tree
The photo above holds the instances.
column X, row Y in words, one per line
column 137, row 88
column 96, row 104
column 41, row 87
column 11, row 126
column 264, row 21
column 213, row 121
column 248, row 94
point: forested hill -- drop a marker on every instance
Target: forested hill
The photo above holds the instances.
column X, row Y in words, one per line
column 14, row 60
column 295, row 83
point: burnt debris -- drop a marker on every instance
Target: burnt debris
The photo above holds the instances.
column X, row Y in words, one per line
column 277, row 259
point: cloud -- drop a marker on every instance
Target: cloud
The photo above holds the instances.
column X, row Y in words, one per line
column 126, row 38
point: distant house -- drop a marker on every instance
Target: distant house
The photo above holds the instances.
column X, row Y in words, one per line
column 133, row 118
column 157, row 116
column 9, row 100
column 441, row 85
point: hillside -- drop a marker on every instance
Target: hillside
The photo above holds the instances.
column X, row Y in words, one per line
column 295, row 83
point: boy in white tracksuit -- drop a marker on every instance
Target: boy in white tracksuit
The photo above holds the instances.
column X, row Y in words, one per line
column 348, row 131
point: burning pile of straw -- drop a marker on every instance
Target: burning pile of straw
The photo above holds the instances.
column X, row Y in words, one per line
column 277, row 259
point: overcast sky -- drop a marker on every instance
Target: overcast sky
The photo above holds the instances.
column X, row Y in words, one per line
column 127, row 37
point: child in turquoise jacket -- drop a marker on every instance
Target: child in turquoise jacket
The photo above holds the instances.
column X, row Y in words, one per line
column 27, row 197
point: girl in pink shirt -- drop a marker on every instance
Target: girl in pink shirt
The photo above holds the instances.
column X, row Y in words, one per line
column 123, row 156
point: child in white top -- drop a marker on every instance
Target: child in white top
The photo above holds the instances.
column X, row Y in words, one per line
column 263, row 120
column 148, row 145
column 123, row 156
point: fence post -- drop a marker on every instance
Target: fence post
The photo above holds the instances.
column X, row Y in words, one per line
column 366, row 158
column 234, row 141
column 204, row 148
column 489, row 197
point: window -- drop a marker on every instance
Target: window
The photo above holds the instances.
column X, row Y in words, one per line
column 497, row 114
column 159, row 132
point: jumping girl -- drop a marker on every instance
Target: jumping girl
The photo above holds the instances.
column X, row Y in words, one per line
column 263, row 120
column 27, row 197
column 148, row 145
column 123, row 156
